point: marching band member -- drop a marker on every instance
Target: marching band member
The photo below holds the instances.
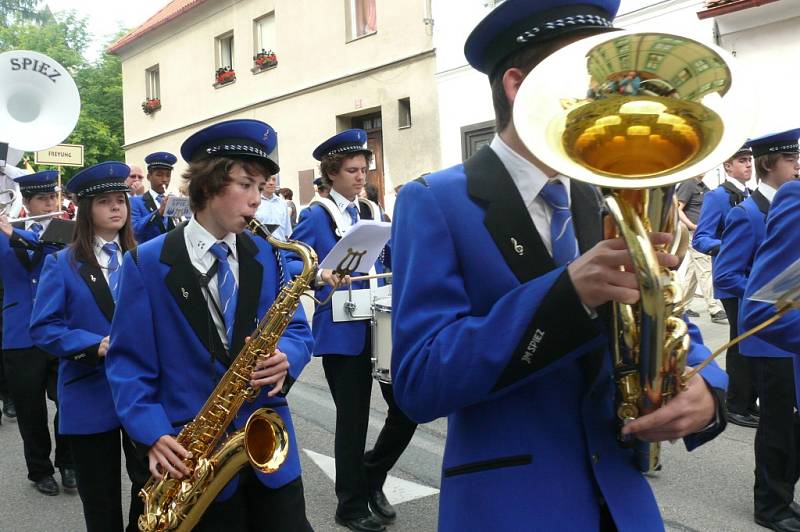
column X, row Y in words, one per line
column 167, row 353
column 777, row 443
column 494, row 323
column 148, row 209
column 31, row 373
column 741, row 399
column 73, row 323
column 346, row 347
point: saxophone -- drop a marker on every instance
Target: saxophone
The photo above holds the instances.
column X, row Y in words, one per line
column 175, row 504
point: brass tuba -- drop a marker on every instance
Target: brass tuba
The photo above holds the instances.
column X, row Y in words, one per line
column 172, row 504
column 635, row 114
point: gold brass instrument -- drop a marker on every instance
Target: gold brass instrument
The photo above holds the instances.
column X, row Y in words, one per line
column 172, row 504
column 636, row 113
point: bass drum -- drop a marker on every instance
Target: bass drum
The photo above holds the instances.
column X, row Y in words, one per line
column 382, row 339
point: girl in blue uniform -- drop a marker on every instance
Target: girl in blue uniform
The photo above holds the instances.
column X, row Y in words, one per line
column 73, row 323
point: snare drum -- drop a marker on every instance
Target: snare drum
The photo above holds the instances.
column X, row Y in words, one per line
column 382, row 339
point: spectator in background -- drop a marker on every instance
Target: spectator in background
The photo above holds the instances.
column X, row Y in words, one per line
column 135, row 181
column 288, row 195
column 323, row 190
column 273, row 211
column 372, row 195
column 698, row 272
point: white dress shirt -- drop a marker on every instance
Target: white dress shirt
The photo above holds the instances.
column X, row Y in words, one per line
column 44, row 222
column 274, row 211
column 102, row 257
column 198, row 244
column 343, row 203
column 767, row 191
column 735, row 182
column 530, row 180
column 154, row 194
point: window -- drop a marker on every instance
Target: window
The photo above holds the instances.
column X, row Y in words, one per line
column 475, row 137
column 264, row 33
column 404, row 112
column 152, row 78
column 361, row 18
column 225, row 51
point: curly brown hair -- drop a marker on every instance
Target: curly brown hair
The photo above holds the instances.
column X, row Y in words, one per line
column 331, row 164
column 207, row 177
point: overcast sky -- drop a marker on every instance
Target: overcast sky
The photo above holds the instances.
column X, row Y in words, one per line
column 105, row 17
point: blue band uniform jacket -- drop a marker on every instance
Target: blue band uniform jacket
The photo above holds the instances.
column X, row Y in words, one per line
column 745, row 228
column 21, row 260
column 316, row 228
column 70, row 323
column 707, row 237
column 494, row 337
column 166, row 356
column 147, row 224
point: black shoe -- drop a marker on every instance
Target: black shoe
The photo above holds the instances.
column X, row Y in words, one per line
column 743, row 420
column 68, row 478
column 47, row 485
column 692, row 314
column 381, row 507
column 369, row 523
column 795, row 508
column 788, row 524
column 719, row 317
column 9, row 409
column 754, row 411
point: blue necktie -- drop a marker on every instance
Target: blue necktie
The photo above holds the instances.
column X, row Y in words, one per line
column 36, row 227
column 227, row 288
column 746, row 192
column 353, row 212
column 113, row 267
column 562, row 232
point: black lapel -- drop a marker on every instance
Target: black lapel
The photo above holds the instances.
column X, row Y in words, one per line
column 183, row 284
column 587, row 214
column 94, row 279
column 250, row 275
column 150, row 203
column 736, row 195
column 507, row 218
column 761, row 202
column 24, row 259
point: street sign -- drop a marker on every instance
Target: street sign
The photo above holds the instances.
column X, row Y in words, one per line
column 61, row 155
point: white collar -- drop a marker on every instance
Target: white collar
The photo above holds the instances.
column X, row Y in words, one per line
column 155, row 194
column 766, row 191
column 200, row 240
column 99, row 242
column 528, row 178
column 735, row 182
column 341, row 201
column 274, row 198
column 44, row 223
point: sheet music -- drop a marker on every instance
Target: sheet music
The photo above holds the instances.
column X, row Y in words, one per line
column 358, row 250
column 177, row 207
column 784, row 287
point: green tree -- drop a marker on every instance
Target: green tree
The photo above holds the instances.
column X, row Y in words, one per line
column 64, row 38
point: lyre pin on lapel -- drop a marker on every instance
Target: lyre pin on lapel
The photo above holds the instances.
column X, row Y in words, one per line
column 517, row 247
column 93, row 278
column 184, row 293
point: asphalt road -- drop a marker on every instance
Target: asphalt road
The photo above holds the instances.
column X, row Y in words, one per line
column 707, row 490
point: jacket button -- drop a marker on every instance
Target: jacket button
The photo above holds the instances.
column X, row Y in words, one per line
column 595, row 458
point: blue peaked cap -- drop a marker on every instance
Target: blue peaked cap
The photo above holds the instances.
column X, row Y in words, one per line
column 100, row 178
column 515, row 24
column 160, row 159
column 38, row 183
column 349, row 141
column 318, row 182
column 783, row 142
column 237, row 139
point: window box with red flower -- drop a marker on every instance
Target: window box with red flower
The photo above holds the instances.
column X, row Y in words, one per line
column 151, row 105
column 264, row 60
column 224, row 76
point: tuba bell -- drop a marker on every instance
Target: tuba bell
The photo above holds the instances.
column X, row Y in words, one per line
column 635, row 114
column 39, row 101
